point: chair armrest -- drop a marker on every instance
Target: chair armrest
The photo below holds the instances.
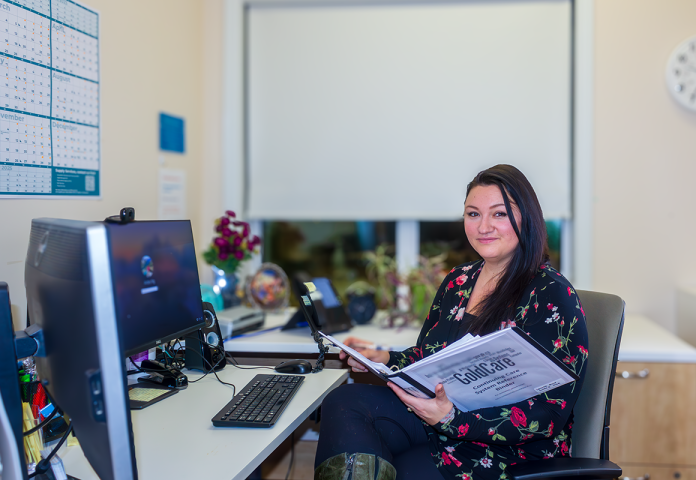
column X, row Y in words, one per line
column 564, row 467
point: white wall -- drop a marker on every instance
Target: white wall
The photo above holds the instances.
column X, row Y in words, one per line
column 645, row 158
column 156, row 56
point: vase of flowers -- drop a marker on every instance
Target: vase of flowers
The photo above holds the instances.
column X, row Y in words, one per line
column 232, row 245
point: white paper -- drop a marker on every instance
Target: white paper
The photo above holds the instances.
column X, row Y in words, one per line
column 172, row 194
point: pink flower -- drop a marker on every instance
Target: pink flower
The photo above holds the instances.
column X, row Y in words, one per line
column 463, row 429
column 564, row 449
column 550, row 429
column 563, row 404
column 450, row 285
column 220, row 242
column 237, row 241
column 224, row 221
column 222, row 256
column 478, row 416
column 569, row 291
column 549, row 306
column 226, row 232
column 582, row 349
column 558, row 343
column 486, row 462
column 532, row 292
column 230, row 213
column 480, row 444
column 460, row 314
column 536, row 306
column 520, row 453
column 583, row 311
column 461, row 279
column 238, row 255
column 491, row 431
column 568, row 359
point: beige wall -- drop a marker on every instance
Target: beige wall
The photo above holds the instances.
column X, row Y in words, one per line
column 645, row 157
column 156, row 56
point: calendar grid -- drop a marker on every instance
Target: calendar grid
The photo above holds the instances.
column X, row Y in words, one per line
column 49, row 99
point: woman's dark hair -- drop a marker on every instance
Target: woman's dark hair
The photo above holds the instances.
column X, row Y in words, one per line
column 530, row 254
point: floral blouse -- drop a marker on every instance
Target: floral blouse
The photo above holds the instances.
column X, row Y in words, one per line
column 482, row 443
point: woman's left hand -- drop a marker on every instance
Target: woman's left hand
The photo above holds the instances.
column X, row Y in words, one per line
column 432, row 410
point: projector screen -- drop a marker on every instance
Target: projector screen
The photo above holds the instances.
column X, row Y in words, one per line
column 387, row 111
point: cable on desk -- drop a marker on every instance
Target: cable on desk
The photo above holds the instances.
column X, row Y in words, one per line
column 45, row 464
column 212, row 369
column 235, row 364
column 253, row 334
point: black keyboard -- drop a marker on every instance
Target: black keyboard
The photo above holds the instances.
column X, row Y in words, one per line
column 260, row 402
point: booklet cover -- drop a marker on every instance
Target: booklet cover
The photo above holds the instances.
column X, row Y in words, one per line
column 503, row 367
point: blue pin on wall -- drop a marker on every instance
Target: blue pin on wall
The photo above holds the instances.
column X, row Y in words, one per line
column 171, row 133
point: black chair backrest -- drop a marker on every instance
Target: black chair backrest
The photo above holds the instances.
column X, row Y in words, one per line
column 605, row 318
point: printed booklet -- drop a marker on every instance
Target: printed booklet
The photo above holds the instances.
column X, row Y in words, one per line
column 503, row 367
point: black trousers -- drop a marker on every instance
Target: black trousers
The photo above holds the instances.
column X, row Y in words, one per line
column 371, row 419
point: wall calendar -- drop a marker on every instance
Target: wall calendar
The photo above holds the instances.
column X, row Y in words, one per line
column 49, row 99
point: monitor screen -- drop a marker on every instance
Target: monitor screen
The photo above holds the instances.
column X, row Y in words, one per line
column 70, row 296
column 155, row 278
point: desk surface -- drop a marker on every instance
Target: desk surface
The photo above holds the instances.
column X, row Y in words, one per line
column 299, row 340
column 176, row 439
column 643, row 340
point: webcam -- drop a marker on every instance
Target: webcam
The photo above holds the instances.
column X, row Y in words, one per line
column 126, row 215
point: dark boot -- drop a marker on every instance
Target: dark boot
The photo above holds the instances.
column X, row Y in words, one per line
column 357, row 466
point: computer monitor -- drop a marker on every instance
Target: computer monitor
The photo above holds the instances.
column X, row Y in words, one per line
column 156, row 286
column 11, row 431
column 70, row 296
column 100, row 291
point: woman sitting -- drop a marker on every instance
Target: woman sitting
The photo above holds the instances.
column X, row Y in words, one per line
column 367, row 428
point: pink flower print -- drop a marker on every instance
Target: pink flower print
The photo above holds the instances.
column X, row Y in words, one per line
column 454, row 310
column 564, row 449
column 550, row 429
column 549, row 306
column 460, row 314
column 466, row 476
column 558, row 343
column 461, row 279
column 491, row 431
column 463, row 429
column 480, row 444
column 450, row 285
column 536, row 307
column 563, row 404
column 467, row 268
column 569, row 291
column 478, row 416
column 452, row 271
column 520, row 453
column 556, row 441
column 531, row 402
column 582, row 349
column 568, row 359
column 486, row 462
column 583, row 311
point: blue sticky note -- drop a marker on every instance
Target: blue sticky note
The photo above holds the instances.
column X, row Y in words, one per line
column 171, row 133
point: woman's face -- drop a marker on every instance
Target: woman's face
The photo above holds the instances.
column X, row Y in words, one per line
column 487, row 225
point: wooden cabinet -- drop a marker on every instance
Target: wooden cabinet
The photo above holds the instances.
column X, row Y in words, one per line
column 653, row 421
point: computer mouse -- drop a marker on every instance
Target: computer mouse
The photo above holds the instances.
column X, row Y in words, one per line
column 294, row 366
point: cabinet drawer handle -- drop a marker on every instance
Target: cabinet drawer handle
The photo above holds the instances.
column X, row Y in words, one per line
column 626, row 374
column 644, row 477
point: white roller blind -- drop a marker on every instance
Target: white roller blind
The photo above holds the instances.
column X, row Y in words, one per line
column 388, row 111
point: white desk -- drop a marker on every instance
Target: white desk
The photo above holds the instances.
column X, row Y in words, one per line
column 176, row 439
column 299, row 340
column 645, row 341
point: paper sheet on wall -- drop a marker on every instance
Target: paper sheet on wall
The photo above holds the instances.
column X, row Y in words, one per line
column 172, row 194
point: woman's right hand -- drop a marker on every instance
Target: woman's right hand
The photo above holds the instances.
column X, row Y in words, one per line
column 362, row 346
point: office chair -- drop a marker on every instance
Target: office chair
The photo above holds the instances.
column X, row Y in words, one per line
column 605, row 318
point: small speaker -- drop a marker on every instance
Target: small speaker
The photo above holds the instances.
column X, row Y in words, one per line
column 204, row 347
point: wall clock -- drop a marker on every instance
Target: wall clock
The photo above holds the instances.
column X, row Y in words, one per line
column 681, row 73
